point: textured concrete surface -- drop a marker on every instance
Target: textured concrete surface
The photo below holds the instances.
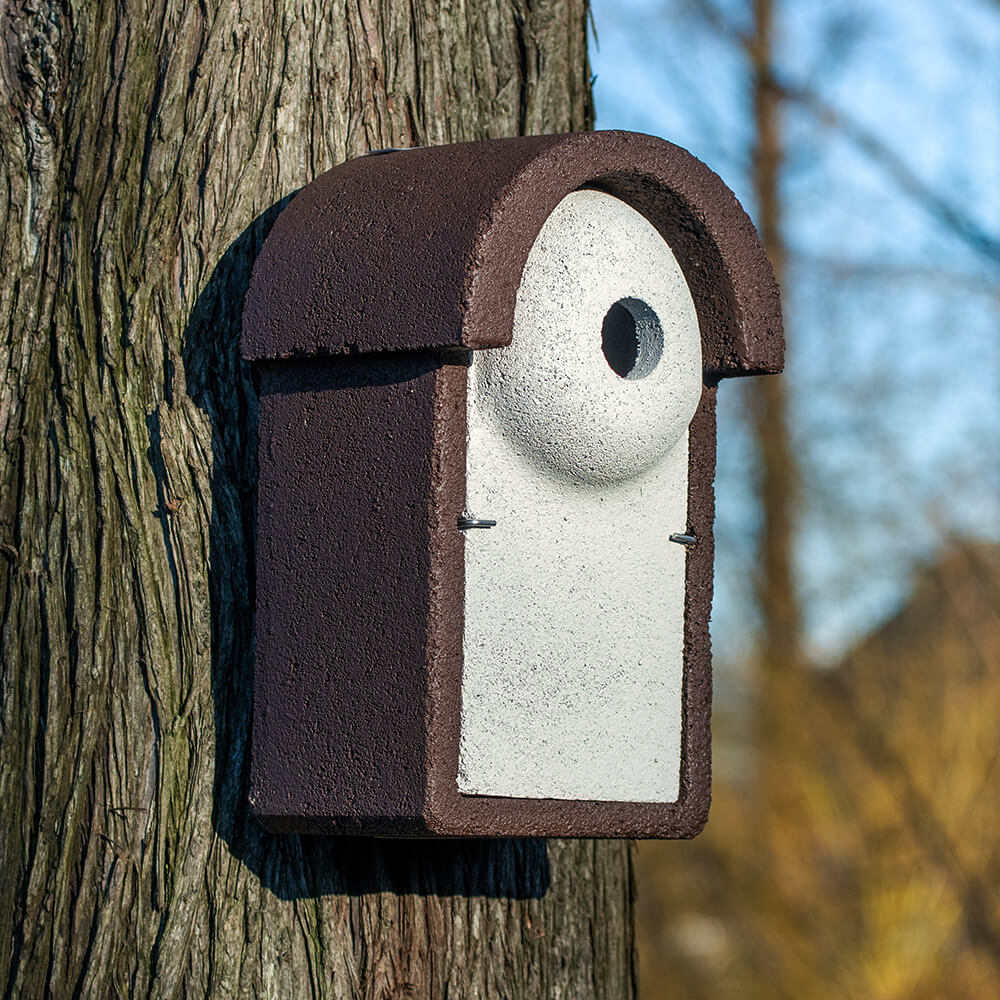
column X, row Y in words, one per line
column 360, row 565
column 574, row 604
column 342, row 594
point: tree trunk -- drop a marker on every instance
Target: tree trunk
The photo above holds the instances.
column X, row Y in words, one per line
column 777, row 598
column 145, row 152
column 777, row 722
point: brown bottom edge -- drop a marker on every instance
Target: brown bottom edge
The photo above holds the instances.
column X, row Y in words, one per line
column 454, row 815
column 581, row 832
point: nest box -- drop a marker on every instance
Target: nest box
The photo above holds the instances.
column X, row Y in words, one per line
column 487, row 378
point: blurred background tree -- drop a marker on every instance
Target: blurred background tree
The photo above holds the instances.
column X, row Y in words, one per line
column 851, row 850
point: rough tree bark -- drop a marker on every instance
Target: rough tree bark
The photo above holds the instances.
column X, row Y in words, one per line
column 146, row 149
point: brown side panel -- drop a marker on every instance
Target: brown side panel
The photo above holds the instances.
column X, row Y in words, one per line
column 342, row 596
column 696, row 748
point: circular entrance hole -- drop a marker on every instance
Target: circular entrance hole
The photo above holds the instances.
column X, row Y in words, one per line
column 632, row 338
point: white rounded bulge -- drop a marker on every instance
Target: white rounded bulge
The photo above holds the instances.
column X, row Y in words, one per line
column 604, row 371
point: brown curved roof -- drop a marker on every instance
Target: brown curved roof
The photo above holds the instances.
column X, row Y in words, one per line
column 424, row 248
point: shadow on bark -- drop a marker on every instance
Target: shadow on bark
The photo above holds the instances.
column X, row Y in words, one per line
column 291, row 866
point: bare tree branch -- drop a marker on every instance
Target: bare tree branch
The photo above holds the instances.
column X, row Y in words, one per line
column 962, row 224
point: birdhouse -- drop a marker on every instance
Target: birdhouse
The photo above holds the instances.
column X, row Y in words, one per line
column 487, row 378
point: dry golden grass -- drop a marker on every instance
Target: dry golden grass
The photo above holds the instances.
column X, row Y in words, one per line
column 856, row 855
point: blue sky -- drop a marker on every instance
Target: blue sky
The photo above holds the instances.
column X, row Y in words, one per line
column 894, row 325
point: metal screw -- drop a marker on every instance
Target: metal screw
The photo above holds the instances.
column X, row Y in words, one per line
column 475, row 522
column 683, row 539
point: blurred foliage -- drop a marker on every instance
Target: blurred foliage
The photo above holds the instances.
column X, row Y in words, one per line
column 856, row 855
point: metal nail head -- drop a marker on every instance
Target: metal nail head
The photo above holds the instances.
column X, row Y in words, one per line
column 475, row 522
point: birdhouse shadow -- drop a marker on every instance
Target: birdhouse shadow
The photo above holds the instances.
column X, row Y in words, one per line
column 293, row 866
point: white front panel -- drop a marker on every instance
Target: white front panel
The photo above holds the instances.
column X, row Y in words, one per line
column 574, row 603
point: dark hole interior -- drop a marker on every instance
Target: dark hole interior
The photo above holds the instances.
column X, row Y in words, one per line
column 619, row 340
